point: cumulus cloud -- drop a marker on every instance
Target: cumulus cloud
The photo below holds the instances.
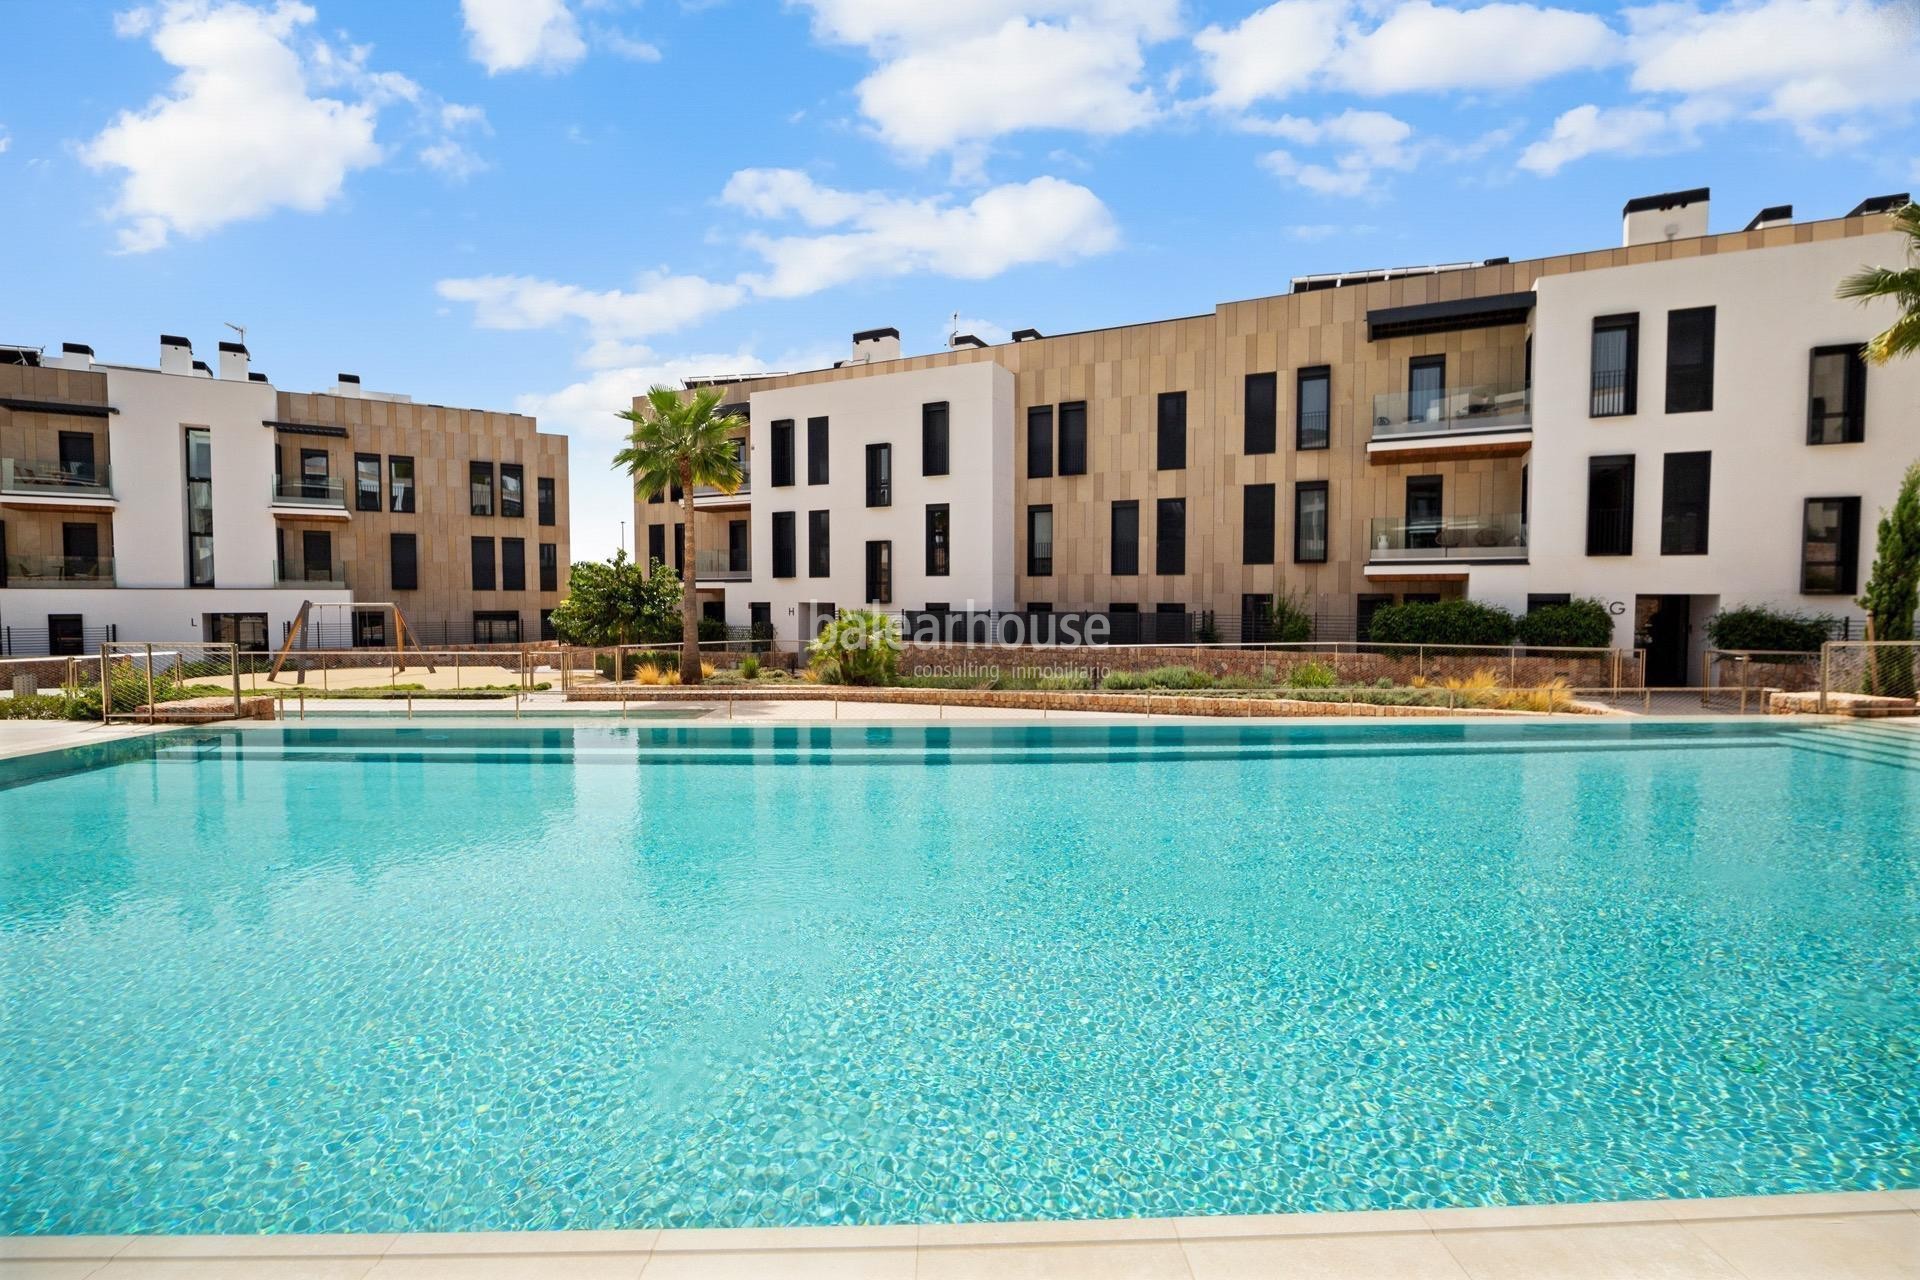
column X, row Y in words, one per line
column 1365, row 142
column 1630, row 130
column 514, row 35
column 658, row 304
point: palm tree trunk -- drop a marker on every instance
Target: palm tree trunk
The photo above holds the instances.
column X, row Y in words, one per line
column 689, row 607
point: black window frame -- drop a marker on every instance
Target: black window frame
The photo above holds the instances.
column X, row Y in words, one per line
column 879, row 564
column 403, row 494
column 1686, row 490
column 314, row 484
column 487, row 624
column 476, row 472
column 1619, row 516
column 880, row 474
column 819, row 544
column 199, row 499
column 1852, row 417
column 1303, row 442
column 362, row 500
column 740, row 546
column 1303, row 546
column 1260, row 413
column 1690, row 385
column 543, row 488
column 513, row 564
column 656, row 546
column 935, row 438
column 1611, row 393
column 1125, row 539
column 549, row 554
column 680, row 549
column 780, row 447
column 517, row 507
column 786, row 545
column 819, row 439
column 939, row 535
column 482, row 565
column 1169, row 537
column 1039, row 566
column 1070, row 437
column 1257, row 523
column 1039, row 442
column 1846, row 561
column 1417, row 365
column 1170, row 432
column 403, row 561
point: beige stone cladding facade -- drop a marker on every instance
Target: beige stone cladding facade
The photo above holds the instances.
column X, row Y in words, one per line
column 1121, row 372
column 39, row 498
column 442, row 443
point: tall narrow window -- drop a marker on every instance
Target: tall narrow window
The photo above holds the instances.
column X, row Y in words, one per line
column 739, row 547
column 1425, row 500
column 939, row 552
column 1426, row 388
column 1610, row 505
column 480, row 488
column 403, row 561
column 780, row 443
column 1690, row 360
column 316, row 556
column 819, row 548
column 549, row 567
column 1170, row 452
column 513, row 489
column 77, row 458
column 1683, row 504
column 199, row 507
column 543, row 487
column 80, row 545
column 879, row 573
column 513, row 564
column 656, row 546
column 1616, row 366
column 1039, row 541
column 1256, row 524
column 1039, row 441
column 1837, row 396
column 1830, row 547
column 680, row 549
column 366, row 482
column 1262, row 412
column 482, row 552
column 400, row 485
column 785, row 553
column 1310, row 522
column 316, row 474
column 1123, row 541
column 933, row 439
column 1313, row 393
column 816, row 450
column 1073, row 438
column 879, row 475
column 1170, row 536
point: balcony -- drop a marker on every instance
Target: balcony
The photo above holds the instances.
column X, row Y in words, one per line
column 320, row 497
column 59, row 571
column 1395, row 545
column 59, row 484
column 715, row 565
column 708, row 498
column 294, row 573
column 1489, row 421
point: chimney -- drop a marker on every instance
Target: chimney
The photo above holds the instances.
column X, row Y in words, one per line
column 176, row 354
column 1774, row 215
column 872, row 345
column 1880, row 204
column 200, row 369
column 234, row 362
column 347, row 384
column 960, row 340
column 1026, row 335
column 1672, row 215
column 76, row 355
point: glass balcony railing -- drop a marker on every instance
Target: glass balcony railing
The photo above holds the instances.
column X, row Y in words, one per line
column 309, row 491
column 1447, row 538
column 708, row 491
column 59, row 571
column 294, row 573
column 715, row 565
column 47, row 476
column 1452, row 410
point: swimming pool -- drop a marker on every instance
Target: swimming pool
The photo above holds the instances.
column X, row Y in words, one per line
column 373, row 979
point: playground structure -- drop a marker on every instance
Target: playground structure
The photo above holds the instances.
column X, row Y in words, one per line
column 400, row 635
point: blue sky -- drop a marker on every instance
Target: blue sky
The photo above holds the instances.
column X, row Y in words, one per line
column 547, row 204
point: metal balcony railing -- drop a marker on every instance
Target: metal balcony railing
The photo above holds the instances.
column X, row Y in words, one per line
column 1391, row 538
column 1489, row 407
column 716, row 565
column 59, row 571
column 304, row 491
column 293, row 573
column 45, row 475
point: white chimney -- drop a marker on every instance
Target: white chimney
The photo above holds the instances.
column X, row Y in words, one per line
column 1774, row 215
column 348, row 385
column 1672, row 215
column 871, row 345
column 176, row 355
column 74, row 355
column 234, row 362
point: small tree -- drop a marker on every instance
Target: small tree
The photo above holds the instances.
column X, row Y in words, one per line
column 860, row 646
column 619, row 603
column 1893, row 587
column 1757, row 628
column 1287, row 620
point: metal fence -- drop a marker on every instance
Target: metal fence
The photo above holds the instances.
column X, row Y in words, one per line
column 1867, row 669
column 169, row 682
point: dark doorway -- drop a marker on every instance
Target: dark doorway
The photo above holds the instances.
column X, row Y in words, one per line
column 1423, row 511
column 715, row 609
column 1664, row 629
column 65, row 636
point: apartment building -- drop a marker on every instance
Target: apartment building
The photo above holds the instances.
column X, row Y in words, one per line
column 177, row 503
column 1364, row 438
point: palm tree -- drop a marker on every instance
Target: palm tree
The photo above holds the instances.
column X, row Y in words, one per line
column 680, row 440
column 1902, row 337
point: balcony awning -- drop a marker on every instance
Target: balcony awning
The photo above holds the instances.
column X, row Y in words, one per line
column 72, row 408
column 1445, row 317
column 304, row 428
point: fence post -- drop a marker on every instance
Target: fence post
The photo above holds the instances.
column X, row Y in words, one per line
column 1826, row 658
column 409, row 704
column 1513, row 665
column 233, row 666
column 151, row 709
column 106, row 689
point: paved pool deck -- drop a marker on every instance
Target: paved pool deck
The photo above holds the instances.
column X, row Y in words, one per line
column 1867, row 1235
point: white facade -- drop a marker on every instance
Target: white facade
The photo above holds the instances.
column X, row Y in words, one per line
column 886, row 409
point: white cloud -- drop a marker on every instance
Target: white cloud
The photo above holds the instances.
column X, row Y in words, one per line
column 513, row 35
column 620, row 44
column 1273, row 52
column 660, row 304
column 1367, row 141
column 452, row 159
column 1629, row 130
column 6, row 140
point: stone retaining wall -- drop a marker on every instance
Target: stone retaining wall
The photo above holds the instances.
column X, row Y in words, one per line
column 1166, row 704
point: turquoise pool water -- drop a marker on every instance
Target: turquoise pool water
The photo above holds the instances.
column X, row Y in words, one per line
column 367, row 979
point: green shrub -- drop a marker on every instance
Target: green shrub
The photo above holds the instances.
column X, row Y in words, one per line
column 45, row 706
column 1464, row 622
column 1579, row 624
column 1208, row 632
column 1287, row 620
column 1313, row 675
column 1758, row 627
column 1159, row 678
column 749, row 667
column 712, row 628
column 665, row 660
column 860, row 646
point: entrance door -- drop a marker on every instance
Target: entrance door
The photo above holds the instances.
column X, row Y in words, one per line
column 316, row 554
column 1664, row 629
column 65, row 637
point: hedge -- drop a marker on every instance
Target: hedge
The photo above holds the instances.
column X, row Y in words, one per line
column 1443, row 622
column 1579, row 624
column 1758, row 627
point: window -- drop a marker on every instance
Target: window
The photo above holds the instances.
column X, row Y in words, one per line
column 247, row 631
column 1426, row 388
column 549, row 567
column 1310, row 522
column 1610, row 506
column 816, row 450
column 80, row 546
column 1073, row 438
column 513, row 489
column 546, row 625
column 1690, row 360
column 656, row 496
column 1313, row 395
column 1537, row 600
column 513, row 564
column 1256, row 524
column 680, row 549
column 316, row 556
column 76, row 457
column 1683, row 504
column 1170, row 536
column 1039, row 541
column 656, row 546
column 1425, row 496
column 1124, row 540
column 1837, row 396
column 739, row 547
column 1039, row 441
column 879, row 573
column 1616, row 366
column 403, row 561
column 939, row 555
column 482, row 551
column 1262, row 412
column 879, row 475
column 1830, row 547
column 400, row 485
column 199, row 507
column 496, row 627
column 1365, row 607
column 543, row 488
column 1170, row 453
column 819, row 552
column 933, row 438
column 366, row 482
column 316, row 474
column 785, row 555
column 781, row 442
column 66, row 635
column 369, row 629
column 480, row 488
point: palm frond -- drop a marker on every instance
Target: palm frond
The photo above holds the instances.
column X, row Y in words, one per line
column 677, row 435
column 1902, row 288
column 1901, row 338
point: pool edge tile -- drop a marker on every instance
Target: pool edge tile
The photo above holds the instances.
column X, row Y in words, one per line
column 61, row 1248
column 1336, row 1222
column 159, row 1248
column 1588, row 1213
column 514, row 1243
column 1796, row 1205
column 945, row 1235
column 764, row 1239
